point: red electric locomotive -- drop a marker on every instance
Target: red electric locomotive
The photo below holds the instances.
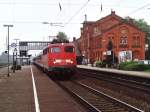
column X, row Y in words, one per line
column 58, row 58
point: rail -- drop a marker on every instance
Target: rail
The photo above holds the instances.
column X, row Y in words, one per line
column 96, row 100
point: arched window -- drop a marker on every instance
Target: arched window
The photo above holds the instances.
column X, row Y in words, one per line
column 123, row 40
column 136, row 40
column 123, row 36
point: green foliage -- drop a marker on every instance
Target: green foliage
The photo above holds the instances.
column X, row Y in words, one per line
column 147, row 70
column 143, row 25
column 133, row 66
column 61, row 38
column 123, row 64
column 100, row 64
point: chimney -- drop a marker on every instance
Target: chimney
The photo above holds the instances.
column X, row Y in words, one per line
column 112, row 12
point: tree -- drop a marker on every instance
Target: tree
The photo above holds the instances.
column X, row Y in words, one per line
column 60, row 38
column 110, row 45
column 146, row 28
column 109, row 58
column 143, row 25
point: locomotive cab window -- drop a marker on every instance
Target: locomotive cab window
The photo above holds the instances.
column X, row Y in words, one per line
column 45, row 51
column 55, row 50
column 69, row 49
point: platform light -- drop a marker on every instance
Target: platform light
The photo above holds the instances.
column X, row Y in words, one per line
column 8, row 44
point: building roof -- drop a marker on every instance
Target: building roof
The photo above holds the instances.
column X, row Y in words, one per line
column 117, row 18
column 123, row 22
column 113, row 14
column 109, row 22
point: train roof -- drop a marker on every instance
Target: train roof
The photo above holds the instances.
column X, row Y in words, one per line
column 56, row 44
column 61, row 44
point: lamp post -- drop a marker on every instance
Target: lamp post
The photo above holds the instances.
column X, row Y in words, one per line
column 8, row 44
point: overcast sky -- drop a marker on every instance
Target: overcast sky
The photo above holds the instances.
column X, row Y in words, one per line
column 27, row 16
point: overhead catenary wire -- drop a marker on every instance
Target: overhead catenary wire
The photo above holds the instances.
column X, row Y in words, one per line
column 36, row 22
column 59, row 4
column 60, row 8
column 56, row 4
column 138, row 9
column 76, row 13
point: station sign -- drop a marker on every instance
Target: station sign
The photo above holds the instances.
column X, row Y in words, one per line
column 13, row 45
column 108, row 52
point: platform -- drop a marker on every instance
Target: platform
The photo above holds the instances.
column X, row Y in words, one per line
column 111, row 70
column 17, row 93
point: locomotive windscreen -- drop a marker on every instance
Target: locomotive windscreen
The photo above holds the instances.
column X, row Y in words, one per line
column 69, row 49
column 55, row 49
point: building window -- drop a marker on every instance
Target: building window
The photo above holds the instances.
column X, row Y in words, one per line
column 123, row 40
column 97, row 31
column 123, row 36
column 136, row 54
column 136, row 41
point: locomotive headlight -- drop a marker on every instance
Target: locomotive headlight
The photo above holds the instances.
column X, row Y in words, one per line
column 57, row 61
column 69, row 61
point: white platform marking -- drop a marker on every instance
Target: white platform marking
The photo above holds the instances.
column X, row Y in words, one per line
column 37, row 108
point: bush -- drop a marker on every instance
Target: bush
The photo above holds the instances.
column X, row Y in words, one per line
column 124, row 64
column 100, row 64
column 133, row 66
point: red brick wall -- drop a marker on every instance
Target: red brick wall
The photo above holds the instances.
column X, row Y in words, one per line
column 95, row 37
column 130, row 33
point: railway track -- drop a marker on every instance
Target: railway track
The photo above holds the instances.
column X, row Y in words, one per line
column 95, row 100
column 2, row 66
column 120, row 80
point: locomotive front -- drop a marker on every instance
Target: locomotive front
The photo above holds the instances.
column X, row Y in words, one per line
column 62, row 58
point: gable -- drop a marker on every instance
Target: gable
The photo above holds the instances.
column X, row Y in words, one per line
column 109, row 21
column 125, row 25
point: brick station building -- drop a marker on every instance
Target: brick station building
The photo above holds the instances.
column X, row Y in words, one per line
column 125, row 36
